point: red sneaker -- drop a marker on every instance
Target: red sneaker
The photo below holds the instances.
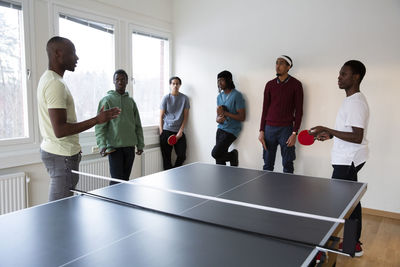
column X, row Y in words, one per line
column 359, row 251
column 321, row 257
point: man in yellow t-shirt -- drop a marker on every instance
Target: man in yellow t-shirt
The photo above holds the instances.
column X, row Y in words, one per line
column 60, row 149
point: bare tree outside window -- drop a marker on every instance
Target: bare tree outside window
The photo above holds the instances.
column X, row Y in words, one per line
column 13, row 104
column 94, row 44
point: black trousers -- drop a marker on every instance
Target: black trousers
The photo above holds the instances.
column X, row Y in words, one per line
column 121, row 162
column 166, row 150
column 349, row 173
column 220, row 152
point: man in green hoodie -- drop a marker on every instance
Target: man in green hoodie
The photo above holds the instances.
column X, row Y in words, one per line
column 118, row 138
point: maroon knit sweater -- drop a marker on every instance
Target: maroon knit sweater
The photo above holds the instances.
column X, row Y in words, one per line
column 283, row 104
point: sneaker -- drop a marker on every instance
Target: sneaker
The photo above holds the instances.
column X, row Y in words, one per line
column 359, row 251
column 235, row 160
column 320, row 258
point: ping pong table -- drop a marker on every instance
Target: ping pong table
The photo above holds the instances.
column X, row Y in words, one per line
column 87, row 231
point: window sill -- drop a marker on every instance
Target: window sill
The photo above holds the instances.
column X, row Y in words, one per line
column 27, row 154
column 24, row 155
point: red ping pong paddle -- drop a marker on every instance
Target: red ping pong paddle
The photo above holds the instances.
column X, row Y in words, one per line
column 305, row 138
column 172, row 140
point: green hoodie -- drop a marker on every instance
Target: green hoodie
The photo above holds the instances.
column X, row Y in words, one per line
column 123, row 131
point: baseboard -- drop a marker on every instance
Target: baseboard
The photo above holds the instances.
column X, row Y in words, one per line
column 382, row 213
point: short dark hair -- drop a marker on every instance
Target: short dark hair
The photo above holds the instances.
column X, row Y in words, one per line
column 56, row 39
column 357, row 67
column 53, row 42
column 175, row 78
column 120, row 71
column 227, row 76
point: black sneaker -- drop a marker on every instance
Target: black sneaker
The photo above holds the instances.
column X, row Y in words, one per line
column 235, row 160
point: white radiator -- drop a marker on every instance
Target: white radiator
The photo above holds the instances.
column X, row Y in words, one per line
column 152, row 161
column 96, row 166
column 13, row 192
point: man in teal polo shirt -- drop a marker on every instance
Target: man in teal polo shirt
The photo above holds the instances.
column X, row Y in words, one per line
column 230, row 114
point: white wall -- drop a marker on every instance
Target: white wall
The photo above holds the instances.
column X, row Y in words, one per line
column 154, row 14
column 246, row 36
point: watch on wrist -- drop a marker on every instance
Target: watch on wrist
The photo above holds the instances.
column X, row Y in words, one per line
column 295, row 133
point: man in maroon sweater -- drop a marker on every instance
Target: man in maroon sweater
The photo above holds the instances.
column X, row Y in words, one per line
column 281, row 116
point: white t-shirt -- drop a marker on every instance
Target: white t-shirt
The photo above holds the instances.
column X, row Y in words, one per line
column 52, row 92
column 354, row 112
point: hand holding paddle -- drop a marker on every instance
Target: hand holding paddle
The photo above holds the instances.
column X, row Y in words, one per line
column 305, row 138
column 179, row 134
column 321, row 133
column 323, row 136
column 172, row 140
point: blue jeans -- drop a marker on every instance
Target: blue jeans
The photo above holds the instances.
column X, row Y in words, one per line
column 274, row 136
column 121, row 162
column 61, row 178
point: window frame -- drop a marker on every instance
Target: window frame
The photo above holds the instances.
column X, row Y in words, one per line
column 132, row 28
column 28, row 78
column 87, row 139
column 25, row 151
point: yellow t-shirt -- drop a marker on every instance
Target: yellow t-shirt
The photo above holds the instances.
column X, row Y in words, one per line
column 52, row 92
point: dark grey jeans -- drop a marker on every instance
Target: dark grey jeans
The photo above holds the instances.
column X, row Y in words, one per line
column 61, row 178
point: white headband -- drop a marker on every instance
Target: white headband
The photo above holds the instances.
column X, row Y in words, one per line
column 287, row 60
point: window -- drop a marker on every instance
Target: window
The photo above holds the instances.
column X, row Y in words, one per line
column 94, row 44
column 150, row 72
column 13, row 86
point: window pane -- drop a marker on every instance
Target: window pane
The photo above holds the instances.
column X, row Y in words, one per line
column 92, row 78
column 150, row 66
column 13, row 104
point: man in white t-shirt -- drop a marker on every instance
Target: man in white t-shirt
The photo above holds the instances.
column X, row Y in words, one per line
column 350, row 146
column 60, row 149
